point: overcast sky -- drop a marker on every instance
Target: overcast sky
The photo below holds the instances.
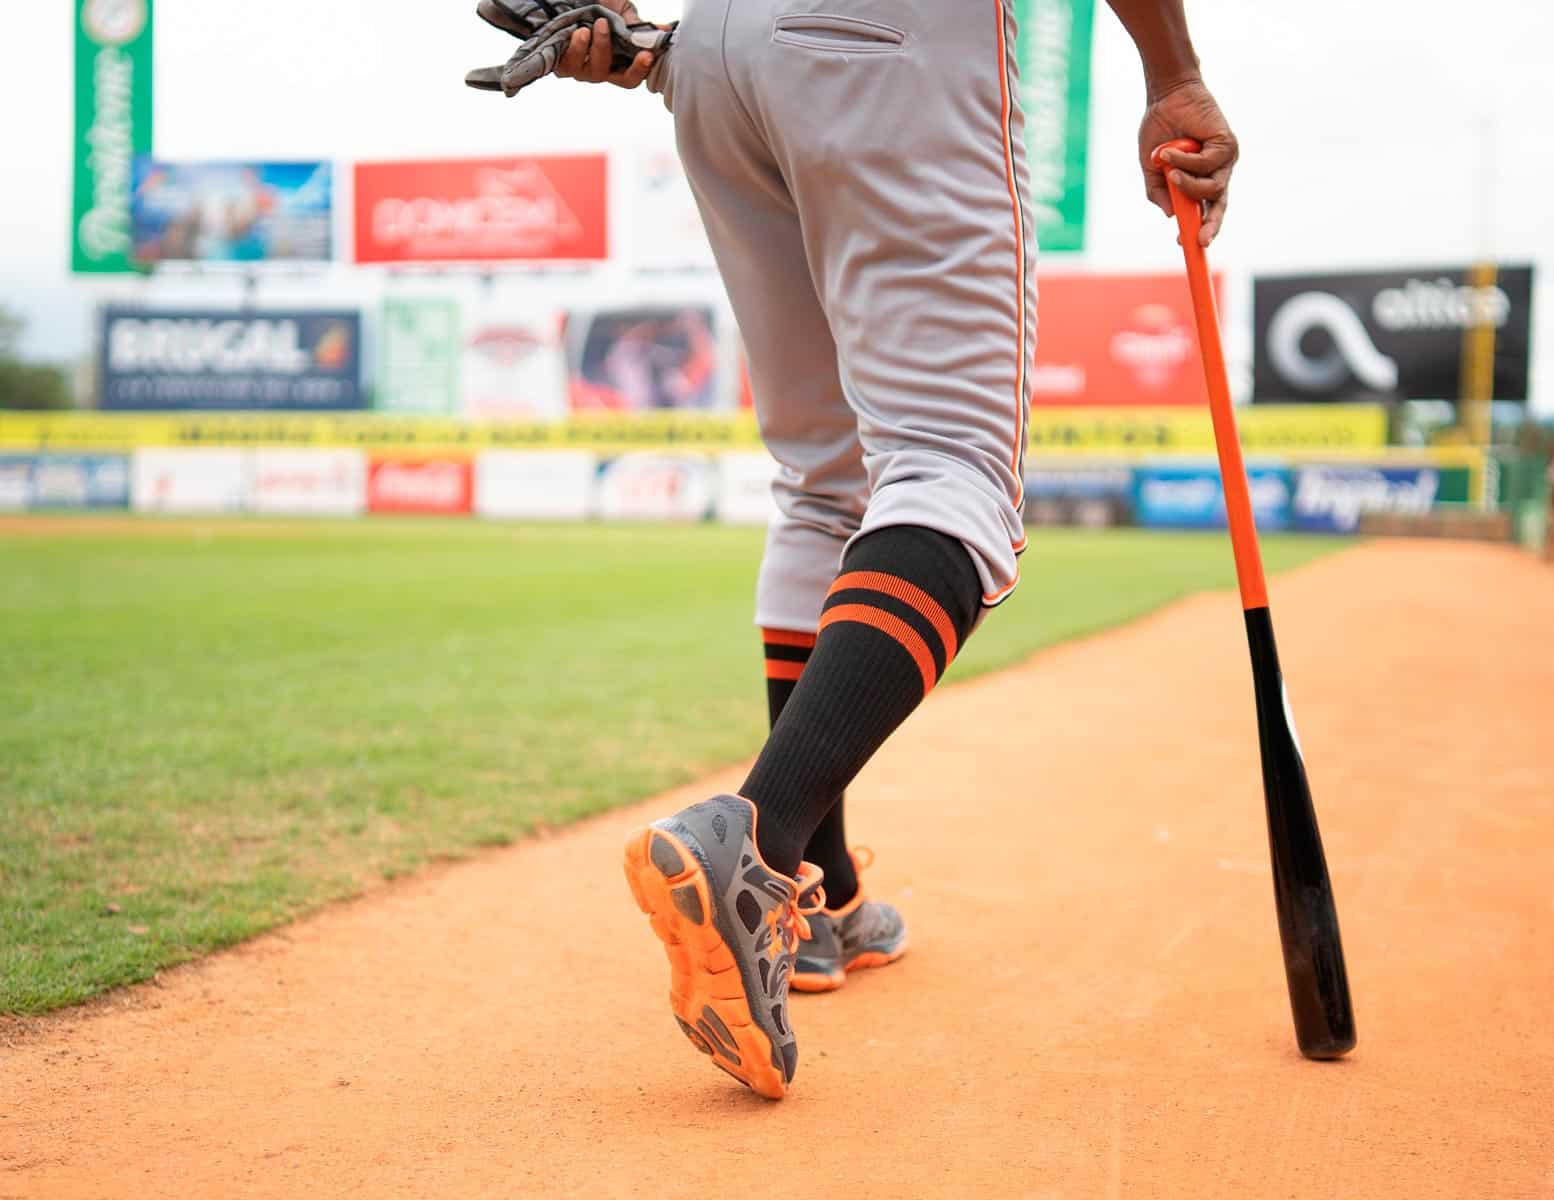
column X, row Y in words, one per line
column 1375, row 132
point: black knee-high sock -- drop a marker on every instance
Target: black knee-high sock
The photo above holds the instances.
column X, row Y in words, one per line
column 786, row 654
column 904, row 602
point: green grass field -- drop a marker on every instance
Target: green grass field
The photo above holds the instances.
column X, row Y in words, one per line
column 208, row 728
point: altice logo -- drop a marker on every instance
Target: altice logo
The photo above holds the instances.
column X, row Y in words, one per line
column 1352, row 352
column 1426, row 304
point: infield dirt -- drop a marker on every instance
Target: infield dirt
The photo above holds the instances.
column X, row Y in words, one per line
column 1093, row 1005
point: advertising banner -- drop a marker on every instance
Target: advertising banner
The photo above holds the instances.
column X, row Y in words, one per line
column 655, row 487
column 1054, row 57
column 81, row 481
column 419, row 356
column 204, row 359
column 1090, row 496
column 641, row 359
column 1332, row 499
column 308, row 483
column 606, row 433
column 1314, row 429
column 547, row 485
column 744, row 489
column 113, row 89
column 189, row 481
column 1117, row 340
column 513, row 367
column 16, row 482
column 1187, row 496
column 1386, row 334
column 666, row 229
column 217, row 212
column 534, row 209
column 1149, row 431
column 427, row 486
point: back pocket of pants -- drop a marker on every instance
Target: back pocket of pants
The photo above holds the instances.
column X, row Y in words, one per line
column 841, row 35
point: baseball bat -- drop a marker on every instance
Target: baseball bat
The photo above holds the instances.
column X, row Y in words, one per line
column 1302, row 891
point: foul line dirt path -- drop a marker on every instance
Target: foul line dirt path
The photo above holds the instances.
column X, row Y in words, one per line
column 1093, row 1006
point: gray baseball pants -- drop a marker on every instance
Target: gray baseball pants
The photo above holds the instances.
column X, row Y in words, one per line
column 860, row 169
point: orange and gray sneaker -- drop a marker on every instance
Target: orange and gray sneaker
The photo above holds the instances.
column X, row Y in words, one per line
column 861, row 933
column 731, row 926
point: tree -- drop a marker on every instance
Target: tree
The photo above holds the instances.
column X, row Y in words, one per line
column 23, row 385
column 11, row 326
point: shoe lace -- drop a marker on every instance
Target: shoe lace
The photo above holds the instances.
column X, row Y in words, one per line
column 863, row 858
column 789, row 922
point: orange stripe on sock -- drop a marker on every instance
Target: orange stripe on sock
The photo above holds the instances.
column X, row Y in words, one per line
column 787, row 637
column 907, row 593
column 911, row 641
column 777, row 668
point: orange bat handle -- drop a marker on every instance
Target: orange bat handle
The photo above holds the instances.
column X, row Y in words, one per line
column 1232, row 470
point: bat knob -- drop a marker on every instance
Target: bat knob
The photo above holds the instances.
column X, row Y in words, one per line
column 1185, row 145
column 1328, row 1049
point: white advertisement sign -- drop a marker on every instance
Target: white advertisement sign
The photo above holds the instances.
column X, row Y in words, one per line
column 513, row 367
column 745, row 489
column 666, row 231
column 15, row 483
column 655, row 487
column 548, row 485
column 309, row 483
column 190, row 480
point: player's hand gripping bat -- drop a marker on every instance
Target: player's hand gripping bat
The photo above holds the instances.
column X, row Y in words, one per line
column 1303, row 893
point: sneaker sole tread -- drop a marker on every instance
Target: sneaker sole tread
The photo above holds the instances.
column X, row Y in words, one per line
column 704, row 978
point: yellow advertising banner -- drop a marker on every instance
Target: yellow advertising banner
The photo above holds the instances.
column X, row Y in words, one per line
column 379, row 432
column 1264, row 429
column 1122, row 432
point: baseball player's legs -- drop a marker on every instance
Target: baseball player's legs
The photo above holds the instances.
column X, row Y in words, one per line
column 839, row 142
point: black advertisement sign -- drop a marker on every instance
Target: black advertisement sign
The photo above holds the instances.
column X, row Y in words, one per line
column 163, row 361
column 1386, row 334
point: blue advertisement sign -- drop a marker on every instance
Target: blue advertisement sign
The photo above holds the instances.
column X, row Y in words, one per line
column 164, row 361
column 1189, row 496
column 1331, row 499
column 81, row 481
column 231, row 212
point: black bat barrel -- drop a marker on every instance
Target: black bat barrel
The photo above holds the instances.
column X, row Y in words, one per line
column 1303, row 893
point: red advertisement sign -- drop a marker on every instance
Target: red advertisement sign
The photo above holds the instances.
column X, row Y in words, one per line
column 537, row 208
column 1116, row 340
column 437, row 486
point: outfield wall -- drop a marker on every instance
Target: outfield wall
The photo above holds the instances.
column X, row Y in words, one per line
column 1313, row 467
column 1315, row 492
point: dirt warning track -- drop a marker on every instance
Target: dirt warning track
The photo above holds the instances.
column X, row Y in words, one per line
column 1093, row 1005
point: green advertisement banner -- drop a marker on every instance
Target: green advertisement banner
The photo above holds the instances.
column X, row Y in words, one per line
column 419, row 364
column 113, row 124
column 1054, row 56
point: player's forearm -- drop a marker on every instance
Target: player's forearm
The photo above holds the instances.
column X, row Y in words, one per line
column 1159, row 30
